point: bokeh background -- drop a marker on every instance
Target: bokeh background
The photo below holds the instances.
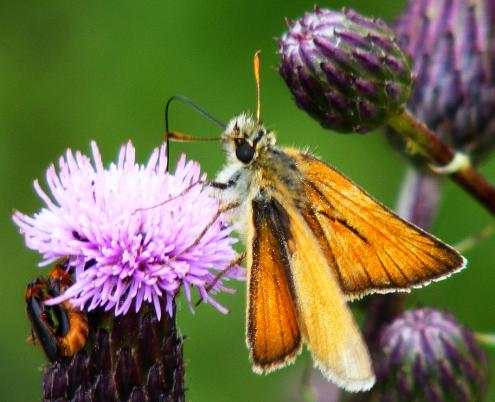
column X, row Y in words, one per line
column 75, row 71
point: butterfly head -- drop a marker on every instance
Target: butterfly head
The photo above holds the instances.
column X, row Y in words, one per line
column 245, row 139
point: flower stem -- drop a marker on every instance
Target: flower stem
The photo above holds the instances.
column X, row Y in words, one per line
column 485, row 339
column 469, row 242
column 419, row 197
column 425, row 142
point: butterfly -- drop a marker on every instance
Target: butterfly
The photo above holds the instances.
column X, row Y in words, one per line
column 314, row 240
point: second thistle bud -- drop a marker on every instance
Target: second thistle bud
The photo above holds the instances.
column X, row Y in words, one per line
column 345, row 70
column 452, row 44
column 427, row 356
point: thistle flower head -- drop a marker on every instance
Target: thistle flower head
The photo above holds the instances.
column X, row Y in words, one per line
column 134, row 233
column 345, row 70
column 133, row 357
column 427, row 356
column 453, row 48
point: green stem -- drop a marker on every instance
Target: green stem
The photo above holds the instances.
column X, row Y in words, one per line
column 471, row 241
column 486, row 339
column 426, row 143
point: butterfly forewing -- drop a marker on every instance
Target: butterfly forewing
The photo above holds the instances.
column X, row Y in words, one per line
column 369, row 247
column 273, row 334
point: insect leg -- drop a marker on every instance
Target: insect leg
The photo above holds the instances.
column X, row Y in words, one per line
column 182, row 193
column 221, row 210
column 219, row 276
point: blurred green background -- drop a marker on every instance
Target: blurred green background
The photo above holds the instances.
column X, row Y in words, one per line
column 75, row 71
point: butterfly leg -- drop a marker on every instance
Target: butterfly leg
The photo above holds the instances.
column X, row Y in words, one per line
column 219, row 276
column 220, row 211
column 182, row 193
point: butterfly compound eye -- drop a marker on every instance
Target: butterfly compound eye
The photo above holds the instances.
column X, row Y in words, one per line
column 244, row 152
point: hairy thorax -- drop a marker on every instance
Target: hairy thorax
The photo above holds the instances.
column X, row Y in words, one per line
column 273, row 174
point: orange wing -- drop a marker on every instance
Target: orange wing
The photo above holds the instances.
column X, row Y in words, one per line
column 370, row 248
column 326, row 322
column 291, row 289
column 273, row 334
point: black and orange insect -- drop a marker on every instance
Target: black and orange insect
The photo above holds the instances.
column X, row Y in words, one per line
column 61, row 329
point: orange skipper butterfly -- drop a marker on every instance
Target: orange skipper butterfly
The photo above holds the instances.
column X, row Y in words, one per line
column 314, row 240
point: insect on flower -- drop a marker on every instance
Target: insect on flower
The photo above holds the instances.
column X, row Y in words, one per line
column 61, row 329
column 314, row 240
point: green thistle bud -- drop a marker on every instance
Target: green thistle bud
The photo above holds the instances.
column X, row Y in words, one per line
column 427, row 356
column 453, row 49
column 345, row 70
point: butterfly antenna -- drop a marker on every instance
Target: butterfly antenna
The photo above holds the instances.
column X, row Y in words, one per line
column 256, row 65
column 180, row 136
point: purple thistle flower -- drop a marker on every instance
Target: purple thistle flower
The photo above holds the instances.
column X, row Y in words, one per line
column 132, row 232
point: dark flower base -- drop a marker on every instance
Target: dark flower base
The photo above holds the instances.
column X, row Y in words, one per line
column 130, row 358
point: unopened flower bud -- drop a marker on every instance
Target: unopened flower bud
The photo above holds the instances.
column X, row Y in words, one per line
column 345, row 70
column 427, row 356
column 453, row 49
